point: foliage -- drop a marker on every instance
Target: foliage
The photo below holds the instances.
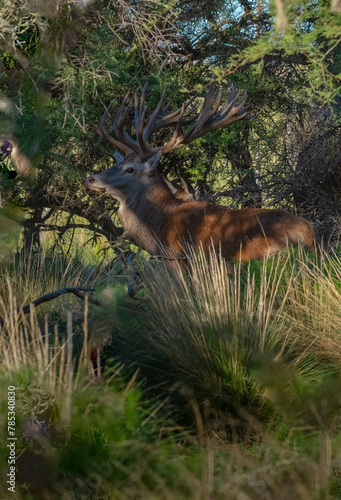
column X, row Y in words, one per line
column 230, row 393
column 11, row 218
column 295, row 40
column 60, row 67
column 76, row 440
column 220, row 384
column 211, row 333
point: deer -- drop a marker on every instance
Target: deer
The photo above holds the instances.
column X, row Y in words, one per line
column 164, row 224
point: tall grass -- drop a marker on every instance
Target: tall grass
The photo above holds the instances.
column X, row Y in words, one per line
column 228, row 334
column 224, row 383
column 77, row 433
column 27, row 277
column 313, row 312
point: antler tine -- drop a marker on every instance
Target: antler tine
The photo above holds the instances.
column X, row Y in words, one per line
column 102, row 131
column 217, row 104
column 232, row 99
column 119, row 113
column 205, row 114
column 146, row 150
column 232, row 112
column 118, row 126
column 151, row 122
column 210, row 97
column 232, row 94
column 143, row 94
column 120, row 122
column 189, row 115
column 172, row 118
column 139, row 107
column 136, row 110
column 244, row 99
column 170, row 145
column 168, row 105
column 210, row 118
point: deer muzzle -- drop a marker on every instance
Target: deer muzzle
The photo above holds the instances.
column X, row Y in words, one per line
column 90, row 183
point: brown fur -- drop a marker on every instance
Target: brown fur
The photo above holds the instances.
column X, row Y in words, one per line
column 239, row 234
column 165, row 220
column 166, row 225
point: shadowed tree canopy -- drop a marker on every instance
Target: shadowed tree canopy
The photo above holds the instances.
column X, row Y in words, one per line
column 62, row 62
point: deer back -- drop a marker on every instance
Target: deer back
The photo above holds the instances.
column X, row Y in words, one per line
column 238, row 234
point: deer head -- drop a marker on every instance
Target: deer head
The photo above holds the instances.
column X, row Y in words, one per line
column 127, row 178
column 138, row 168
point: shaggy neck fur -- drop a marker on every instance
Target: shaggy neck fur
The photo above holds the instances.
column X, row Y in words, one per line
column 144, row 215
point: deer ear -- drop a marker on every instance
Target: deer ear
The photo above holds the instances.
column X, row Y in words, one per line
column 117, row 156
column 187, row 187
column 151, row 164
column 170, row 185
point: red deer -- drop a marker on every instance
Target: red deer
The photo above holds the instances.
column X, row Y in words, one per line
column 164, row 224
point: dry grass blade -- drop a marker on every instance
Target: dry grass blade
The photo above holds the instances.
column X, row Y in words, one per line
column 77, row 291
column 30, row 276
column 23, row 345
column 313, row 315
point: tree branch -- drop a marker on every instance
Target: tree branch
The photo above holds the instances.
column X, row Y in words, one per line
column 77, row 291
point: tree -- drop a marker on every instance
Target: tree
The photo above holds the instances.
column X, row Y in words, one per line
column 61, row 67
column 73, row 72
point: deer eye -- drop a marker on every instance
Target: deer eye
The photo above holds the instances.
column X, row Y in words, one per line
column 129, row 170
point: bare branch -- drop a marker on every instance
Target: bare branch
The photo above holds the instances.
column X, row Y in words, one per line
column 77, row 291
column 152, row 25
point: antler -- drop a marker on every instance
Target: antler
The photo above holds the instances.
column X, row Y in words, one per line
column 210, row 118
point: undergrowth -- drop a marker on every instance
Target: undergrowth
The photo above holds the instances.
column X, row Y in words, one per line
column 223, row 382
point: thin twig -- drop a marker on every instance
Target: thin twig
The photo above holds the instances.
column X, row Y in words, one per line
column 166, row 258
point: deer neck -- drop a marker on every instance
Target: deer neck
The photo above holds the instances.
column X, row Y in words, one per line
column 144, row 216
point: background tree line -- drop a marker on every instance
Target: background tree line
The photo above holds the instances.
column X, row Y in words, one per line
column 62, row 62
